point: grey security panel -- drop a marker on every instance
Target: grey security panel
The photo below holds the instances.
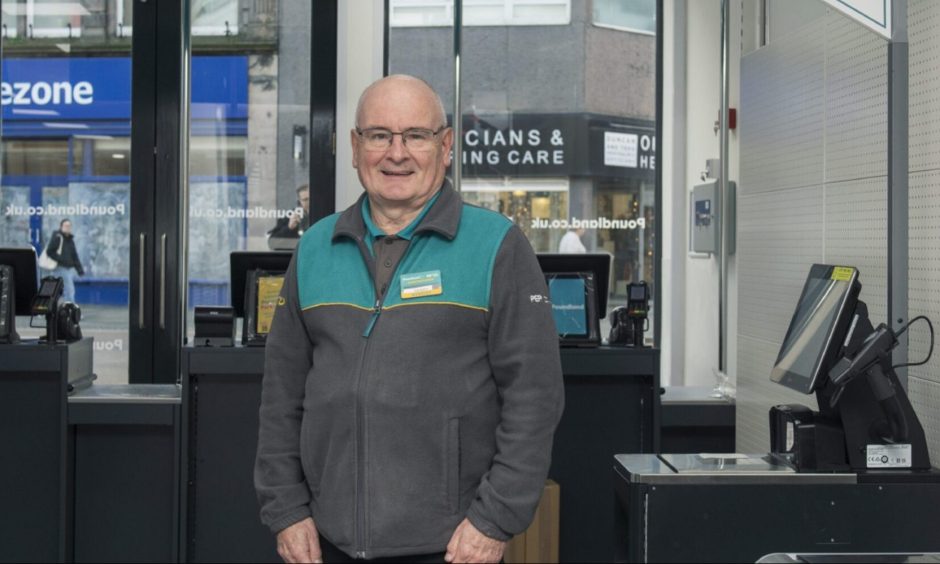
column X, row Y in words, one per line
column 704, row 227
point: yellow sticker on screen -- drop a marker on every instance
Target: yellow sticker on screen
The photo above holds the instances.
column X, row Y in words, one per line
column 842, row 273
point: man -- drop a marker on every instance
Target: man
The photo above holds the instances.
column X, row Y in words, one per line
column 61, row 249
column 291, row 227
column 412, row 374
column 571, row 242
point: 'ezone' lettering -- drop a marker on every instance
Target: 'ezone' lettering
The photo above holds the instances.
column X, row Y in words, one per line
column 44, row 93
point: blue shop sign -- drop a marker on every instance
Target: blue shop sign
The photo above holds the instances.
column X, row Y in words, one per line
column 70, row 89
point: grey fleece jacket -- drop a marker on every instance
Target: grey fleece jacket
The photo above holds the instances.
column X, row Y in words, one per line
column 389, row 420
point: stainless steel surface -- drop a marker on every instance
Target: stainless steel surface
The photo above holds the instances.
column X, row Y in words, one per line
column 643, row 464
column 163, row 281
column 689, row 469
column 693, row 395
column 129, row 393
column 781, row 558
column 142, row 258
column 723, row 463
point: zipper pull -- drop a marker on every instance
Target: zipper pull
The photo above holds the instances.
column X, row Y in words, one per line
column 376, row 310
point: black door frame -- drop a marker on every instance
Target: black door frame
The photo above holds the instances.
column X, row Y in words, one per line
column 158, row 281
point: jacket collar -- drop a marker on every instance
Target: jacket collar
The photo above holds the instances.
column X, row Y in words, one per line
column 442, row 218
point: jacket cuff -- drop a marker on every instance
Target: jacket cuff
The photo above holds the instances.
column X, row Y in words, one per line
column 295, row 516
column 485, row 526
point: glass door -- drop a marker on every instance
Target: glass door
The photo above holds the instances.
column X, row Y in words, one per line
column 66, row 163
column 158, row 137
column 262, row 113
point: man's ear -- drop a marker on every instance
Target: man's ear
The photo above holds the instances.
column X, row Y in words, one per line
column 447, row 143
column 354, row 142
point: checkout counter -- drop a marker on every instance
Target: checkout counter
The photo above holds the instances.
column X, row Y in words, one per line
column 852, row 478
column 96, row 476
column 612, row 405
column 740, row 508
column 37, row 490
column 165, row 472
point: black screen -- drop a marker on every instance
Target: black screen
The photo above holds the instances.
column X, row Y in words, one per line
column 637, row 293
column 812, row 330
column 47, row 290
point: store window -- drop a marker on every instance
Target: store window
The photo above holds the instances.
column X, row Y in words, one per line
column 212, row 156
column 249, row 143
column 558, row 127
column 209, row 17
column 635, row 15
column 36, row 157
column 65, row 134
column 437, row 13
column 111, row 157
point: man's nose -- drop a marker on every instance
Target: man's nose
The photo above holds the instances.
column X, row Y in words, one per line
column 397, row 151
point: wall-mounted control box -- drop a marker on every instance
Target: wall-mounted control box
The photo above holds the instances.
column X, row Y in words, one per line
column 704, row 221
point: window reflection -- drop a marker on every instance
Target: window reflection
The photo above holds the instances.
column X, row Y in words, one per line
column 66, row 140
column 249, row 142
column 66, row 132
column 558, row 117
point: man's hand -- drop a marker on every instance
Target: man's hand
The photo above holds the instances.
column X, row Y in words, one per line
column 300, row 543
column 295, row 218
column 470, row 545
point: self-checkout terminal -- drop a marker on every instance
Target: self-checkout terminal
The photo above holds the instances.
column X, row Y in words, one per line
column 19, row 296
column 865, row 420
column 861, row 452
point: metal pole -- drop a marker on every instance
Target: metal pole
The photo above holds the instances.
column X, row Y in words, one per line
column 723, row 190
column 183, row 236
column 457, row 164
column 898, row 182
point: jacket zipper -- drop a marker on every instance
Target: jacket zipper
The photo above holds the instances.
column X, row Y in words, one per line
column 360, row 456
column 361, row 553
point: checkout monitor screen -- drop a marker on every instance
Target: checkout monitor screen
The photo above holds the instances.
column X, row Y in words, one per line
column 570, row 294
column 812, row 338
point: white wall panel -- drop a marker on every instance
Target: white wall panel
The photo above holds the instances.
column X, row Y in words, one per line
column 856, row 101
column 779, row 236
column 924, row 84
column 924, row 211
column 783, row 113
column 856, row 221
column 813, row 189
column 924, row 271
column 925, row 397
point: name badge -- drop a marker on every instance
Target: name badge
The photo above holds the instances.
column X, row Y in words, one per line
column 421, row 284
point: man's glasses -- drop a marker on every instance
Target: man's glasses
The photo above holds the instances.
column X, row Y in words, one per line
column 414, row 138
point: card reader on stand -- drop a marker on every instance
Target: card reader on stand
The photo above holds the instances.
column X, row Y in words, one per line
column 46, row 303
column 638, row 305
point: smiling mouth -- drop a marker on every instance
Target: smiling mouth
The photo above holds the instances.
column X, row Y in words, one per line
column 397, row 172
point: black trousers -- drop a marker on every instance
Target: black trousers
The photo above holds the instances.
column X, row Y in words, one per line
column 333, row 554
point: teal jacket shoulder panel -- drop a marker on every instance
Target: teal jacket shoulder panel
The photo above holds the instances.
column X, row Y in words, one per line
column 331, row 272
column 465, row 262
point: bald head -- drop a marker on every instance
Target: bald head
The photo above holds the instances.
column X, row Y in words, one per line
column 402, row 85
column 400, row 179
